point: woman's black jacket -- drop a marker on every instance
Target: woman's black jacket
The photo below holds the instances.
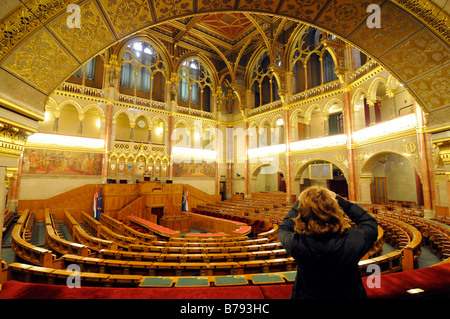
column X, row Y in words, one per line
column 327, row 265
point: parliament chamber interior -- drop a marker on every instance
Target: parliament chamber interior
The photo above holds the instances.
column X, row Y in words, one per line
column 151, row 149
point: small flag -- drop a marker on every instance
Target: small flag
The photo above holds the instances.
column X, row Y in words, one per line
column 94, row 205
column 184, row 204
column 99, row 204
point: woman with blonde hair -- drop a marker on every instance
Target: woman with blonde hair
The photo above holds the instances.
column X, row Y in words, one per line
column 326, row 249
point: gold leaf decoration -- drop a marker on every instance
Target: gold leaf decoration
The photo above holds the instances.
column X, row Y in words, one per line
column 127, row 16
column 41, row 62
column 92, row 36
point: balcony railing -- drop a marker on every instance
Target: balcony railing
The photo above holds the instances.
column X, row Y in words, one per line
column 317, row 91
column 141, row 102
column 82, row 90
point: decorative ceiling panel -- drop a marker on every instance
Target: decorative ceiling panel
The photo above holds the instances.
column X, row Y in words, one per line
column 231, row 26
column 213, row 5
column 433, row 88
column 259, row 5
column 417, row 55
column 169, row 9
column 90, row 38
column 343, row 17
column 127, row 16
column 41, row 61
column 304, row 10
column 395, row 25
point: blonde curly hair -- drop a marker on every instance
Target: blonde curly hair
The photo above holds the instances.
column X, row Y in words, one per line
column 319, row 213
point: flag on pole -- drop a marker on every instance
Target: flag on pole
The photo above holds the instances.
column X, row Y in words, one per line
column 184, row 202
column 94, row 205
column 99, row 204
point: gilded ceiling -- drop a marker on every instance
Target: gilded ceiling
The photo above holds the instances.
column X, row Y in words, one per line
column 38, row 47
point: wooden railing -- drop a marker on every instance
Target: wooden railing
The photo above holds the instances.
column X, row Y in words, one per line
column 75, row 200
column 58, row 244
column 27, row 251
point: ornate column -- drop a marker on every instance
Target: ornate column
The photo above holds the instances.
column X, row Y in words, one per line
column 288, row 157
column 108, row 140
column 2, row 200
column 55, row 122
column 326, row 127
column 247, row 163
column 80, row 124
column 371, row 104
column 351, row 156
column 444, row 156
column 424, row 151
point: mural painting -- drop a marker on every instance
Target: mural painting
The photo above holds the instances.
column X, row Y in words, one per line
column 55, row 162
column 188, row 169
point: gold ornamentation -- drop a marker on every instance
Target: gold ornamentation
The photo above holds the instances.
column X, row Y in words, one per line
column 41, row 61
column 260, row 5
column 127, row 16
column 12, row 140
column 344, row 16
column 340, row 158
column 92, row 36
column 433, row 88
column 430, row 14
column 305, row 10
column 421, row 53
column 171, row 8
column 211, row 5
column 409, row 147
column 362, row 156
column 396, row 25
column 15, row 28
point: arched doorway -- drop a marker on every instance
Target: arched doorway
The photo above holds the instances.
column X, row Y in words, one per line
column 267, row 178
column 321, row 173
column 389, row 176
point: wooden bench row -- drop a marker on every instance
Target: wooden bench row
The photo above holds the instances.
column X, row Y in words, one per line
column 36, row 274
column 197, row 257
column 25, row 250
column 432, row 234
column 120, row 228
column 165, row 268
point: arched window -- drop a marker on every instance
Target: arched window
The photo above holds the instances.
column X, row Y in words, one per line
column 328, row 68
column 306, row 65
column 90, row 74
column 143, row 72
column 263, row 83
column 194, row 85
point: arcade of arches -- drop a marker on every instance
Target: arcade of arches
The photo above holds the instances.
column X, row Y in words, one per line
column 231, row 97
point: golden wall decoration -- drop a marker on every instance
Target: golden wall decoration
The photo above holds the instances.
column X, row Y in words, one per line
column 409, row 147
column 26, row 45
column 434, row 88
column 127, row 16
column 166, row 9
column 211, row 5
column 305, row 10
column 12, row 140
column 92, row 36
column 344, row 16
column 394, row 25
column 16, row 27
column 41, row 62
column 421, row 53
column 258, row 5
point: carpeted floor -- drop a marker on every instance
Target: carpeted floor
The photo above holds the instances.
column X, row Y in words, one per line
column 434, row 281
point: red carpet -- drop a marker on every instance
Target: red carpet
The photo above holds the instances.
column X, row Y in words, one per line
column 433, row 280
